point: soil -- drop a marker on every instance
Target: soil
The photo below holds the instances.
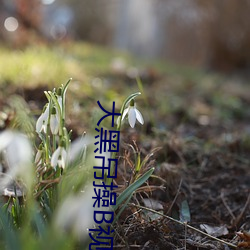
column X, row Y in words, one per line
column 216, row 187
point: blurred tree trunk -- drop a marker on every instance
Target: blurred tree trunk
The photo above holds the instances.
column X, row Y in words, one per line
column 28, row 13
column 92, row 22
column 229, row 34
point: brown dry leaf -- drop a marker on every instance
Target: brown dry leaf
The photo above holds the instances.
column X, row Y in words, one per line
column 245, row 236
column 152, row 204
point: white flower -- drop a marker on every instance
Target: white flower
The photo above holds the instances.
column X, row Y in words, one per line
column 54, row 121
column 39, row 155
column 133, row 114
column 59, row 157
column 17, row 152
column 78, row 148
column 76, row 213
column 42, row 122
column 59, row 99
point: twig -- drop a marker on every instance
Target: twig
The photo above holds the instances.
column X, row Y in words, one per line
column 185, row 241
column 48, row 185
column 184, row 224
column 122, row 246
column 239, row 217
column 227, row 207
column 173, row 202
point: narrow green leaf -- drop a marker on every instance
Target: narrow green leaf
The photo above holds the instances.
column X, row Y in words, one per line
column 129, row 190
column 11, row 237
column 39, row 222
column 65, row 87
column 122, row 208
column 185, row 212
column 138, row 163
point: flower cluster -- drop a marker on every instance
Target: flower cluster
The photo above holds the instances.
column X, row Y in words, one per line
column 52, row 151
column 51, row 116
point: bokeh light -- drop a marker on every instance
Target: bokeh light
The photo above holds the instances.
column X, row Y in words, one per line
column 11, row 24
column 58, row 31
column 48, row 2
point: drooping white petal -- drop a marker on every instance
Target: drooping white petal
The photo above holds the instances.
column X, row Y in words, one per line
column 139, row 116
column 44, row 127
column 5, row 139
column 55, row 156
column 132, row 117
column 63, row 159
column 78, row 147
column 59, row 157
column 75, row 214
column 54, row 124
column 18, row 151
column 61, row 163
column 133, row 114
column 39, row 123
column 59, row 99
column 46, row 112
column 42, row 121
column 38, row 156
column 124, row 113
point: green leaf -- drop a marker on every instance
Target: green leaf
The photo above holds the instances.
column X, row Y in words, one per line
column 185, row 212
column 39, row 222
column 65, row 87
column 122, row 208
column 130, row 189
column 11, row 237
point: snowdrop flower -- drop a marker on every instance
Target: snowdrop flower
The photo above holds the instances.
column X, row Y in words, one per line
column 133, row 114
column 42, row 122
column 59, row 157
column 75, row 214
column 17, row 152
column 54, row 121
column 78, row 148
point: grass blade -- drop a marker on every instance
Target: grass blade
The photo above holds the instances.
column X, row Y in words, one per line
column 129, row 190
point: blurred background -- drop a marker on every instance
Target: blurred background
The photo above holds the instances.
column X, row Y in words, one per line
column 212, row 34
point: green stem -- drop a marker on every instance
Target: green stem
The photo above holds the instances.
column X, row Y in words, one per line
column 54, row 142
column 118, row 128
column 65, row 87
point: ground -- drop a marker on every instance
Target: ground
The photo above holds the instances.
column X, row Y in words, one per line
column 203, row 159
column 196, row 125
